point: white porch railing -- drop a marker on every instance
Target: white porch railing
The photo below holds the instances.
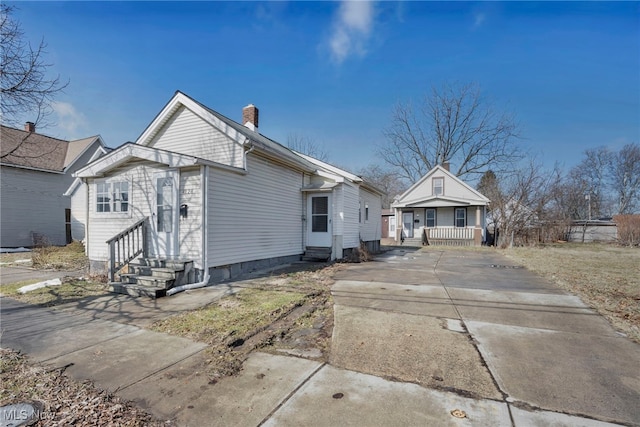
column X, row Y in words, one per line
column 450, row 236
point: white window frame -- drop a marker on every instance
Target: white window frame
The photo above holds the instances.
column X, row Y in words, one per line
column 464, row 217
column 392, row 225
column 426, row 218
column 438, row 179
column 114, row 203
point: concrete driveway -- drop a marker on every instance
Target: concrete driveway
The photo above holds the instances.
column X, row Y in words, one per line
column 421, row 338
column 473, row 323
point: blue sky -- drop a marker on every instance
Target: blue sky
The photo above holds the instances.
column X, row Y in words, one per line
column 332, row 71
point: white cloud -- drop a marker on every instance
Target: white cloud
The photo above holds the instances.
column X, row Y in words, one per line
column 352, row 29
column 478, row 20
column 67, row 117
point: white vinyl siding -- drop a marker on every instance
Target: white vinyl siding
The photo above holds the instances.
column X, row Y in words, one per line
column 190, row 230
column 445, row 217
column 141, row 204
column 32, row 202
column 254, row 216
column 351, row 226
column 187, row 133
column 79, row 212
column 371, row 229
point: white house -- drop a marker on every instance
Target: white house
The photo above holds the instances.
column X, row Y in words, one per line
column 442, row 208
column 40, row 200
column 201, row 187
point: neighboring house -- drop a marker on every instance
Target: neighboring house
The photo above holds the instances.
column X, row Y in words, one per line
column 443, row 208
column 388, row 223
column 37, row 189
column 205, row 188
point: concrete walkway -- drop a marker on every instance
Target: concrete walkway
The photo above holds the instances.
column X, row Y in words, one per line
column 420, row 336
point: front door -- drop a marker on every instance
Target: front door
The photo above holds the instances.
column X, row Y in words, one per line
column 319, row 231
column 165, row 216
column 407, row 224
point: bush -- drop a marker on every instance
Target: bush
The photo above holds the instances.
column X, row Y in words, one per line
column 628, row 229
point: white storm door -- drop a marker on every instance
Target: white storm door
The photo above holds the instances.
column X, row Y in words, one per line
column 319, row 231
column 407, row 224
column 165, row 215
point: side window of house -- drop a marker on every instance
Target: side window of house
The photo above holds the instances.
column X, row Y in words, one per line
column 431, row 218
column 461, row 217
column 392, row 224
column 438, row 186
column 366, row 212
column 112, row 196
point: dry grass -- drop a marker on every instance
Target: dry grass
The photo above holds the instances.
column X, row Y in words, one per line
column 606, row 277
column 267, row 312
column 62, row 401
column 70, row 290
column 70, row 257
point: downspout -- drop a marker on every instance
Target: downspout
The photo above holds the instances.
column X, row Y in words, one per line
column 86, row 220
column 204, row 179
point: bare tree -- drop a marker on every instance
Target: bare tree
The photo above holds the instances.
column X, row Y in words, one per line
column 386, row 180
column 519, row 202
column 590, row 177
column 453, row 124
column 625, row 178
column 24, row 74
column 308, row 146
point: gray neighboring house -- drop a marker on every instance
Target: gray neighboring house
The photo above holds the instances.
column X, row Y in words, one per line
column 40, row 200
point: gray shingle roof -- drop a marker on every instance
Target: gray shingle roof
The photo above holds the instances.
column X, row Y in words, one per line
column 30, row 149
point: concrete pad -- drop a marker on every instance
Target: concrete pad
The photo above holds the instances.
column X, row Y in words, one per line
column 45, row 334
column 487, row 278
column 583, row 374
column 410, row 348
column 371, row 401
column 391, row 275
column 413, row 299
column 535, row 310
column 265, row 382
column 124, row 360
column 172, row 390
column 552, row 419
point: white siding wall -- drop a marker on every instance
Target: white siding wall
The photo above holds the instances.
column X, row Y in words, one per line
column 79, row 212
column 445, row 217
column 187, row 133
column 104, row 226
column 351, row 230
column 254, row 216
column 31, row 201
column 452, row 188
column 191, row 226
column 370, row 229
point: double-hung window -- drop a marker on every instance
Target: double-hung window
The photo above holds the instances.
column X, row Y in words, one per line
column 461, row 217
column 438, row 186
column 431, row 218
column 112, row 196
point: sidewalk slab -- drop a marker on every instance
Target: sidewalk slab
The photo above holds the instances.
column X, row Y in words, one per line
column 419, row 349
column 46, row 334
column 411, row 299
column 247, row 399
column 545, row 419
column 591, row 375
column 366, row 400
column 127, row 359
column 546, row 311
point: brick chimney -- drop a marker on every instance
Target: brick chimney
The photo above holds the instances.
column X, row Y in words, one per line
column 446, row 166
column 30, row 127
column 250, row 116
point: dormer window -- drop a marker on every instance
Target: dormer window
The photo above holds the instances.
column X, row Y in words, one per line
column 438, row 186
